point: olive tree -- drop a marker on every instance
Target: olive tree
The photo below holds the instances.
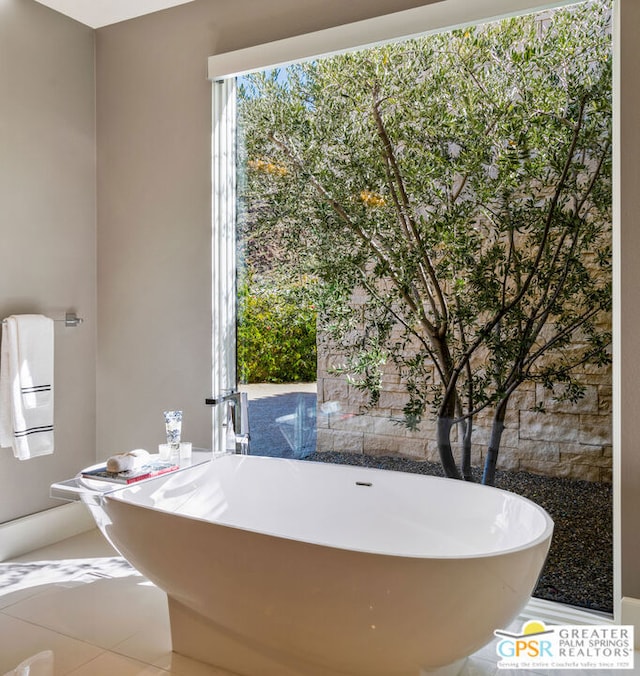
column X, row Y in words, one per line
column 461, row 184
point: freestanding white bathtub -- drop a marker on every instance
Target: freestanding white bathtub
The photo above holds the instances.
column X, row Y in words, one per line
column 278, row 567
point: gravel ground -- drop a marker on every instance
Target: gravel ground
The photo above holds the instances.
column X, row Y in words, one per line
column 579, row 567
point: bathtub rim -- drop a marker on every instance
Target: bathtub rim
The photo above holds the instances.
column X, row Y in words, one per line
column 546, row 534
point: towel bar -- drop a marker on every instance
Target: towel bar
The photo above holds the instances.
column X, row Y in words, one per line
column 71, row 319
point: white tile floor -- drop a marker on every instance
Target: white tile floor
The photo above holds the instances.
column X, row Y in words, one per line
column 75, row 608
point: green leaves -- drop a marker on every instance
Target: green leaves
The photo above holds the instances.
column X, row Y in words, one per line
column 276, row 332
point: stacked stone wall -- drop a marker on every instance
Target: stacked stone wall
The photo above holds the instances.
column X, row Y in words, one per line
column 569, row 440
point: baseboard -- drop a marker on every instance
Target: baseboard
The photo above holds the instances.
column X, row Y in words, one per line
column 23, row 535
column 552, row 612
column 558, row 613
column 630, row 614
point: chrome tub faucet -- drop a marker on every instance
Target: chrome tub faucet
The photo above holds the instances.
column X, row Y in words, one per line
column 236, row 419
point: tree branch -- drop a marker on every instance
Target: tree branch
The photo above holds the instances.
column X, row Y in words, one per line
column 441, row 314
column 376, row 247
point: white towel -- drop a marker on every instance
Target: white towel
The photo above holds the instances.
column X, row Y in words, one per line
column 26, row 386
column 125, row 462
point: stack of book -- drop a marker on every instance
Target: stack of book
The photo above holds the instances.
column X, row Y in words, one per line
column 146, row 471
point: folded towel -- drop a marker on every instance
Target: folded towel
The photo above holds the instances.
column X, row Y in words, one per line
column 124, row 462
column 26, row 386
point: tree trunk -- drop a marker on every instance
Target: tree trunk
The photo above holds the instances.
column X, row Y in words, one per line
column 489, row 475
column 466, row 449
column 444, row 424
column 447, row 460
column 447, row 409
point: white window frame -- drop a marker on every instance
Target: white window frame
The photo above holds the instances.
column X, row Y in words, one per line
column 439, row 16
column 223, row 247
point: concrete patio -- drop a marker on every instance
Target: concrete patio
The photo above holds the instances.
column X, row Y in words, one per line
column 282, row 418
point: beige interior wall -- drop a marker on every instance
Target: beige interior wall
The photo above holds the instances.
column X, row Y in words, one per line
column 629, row 192
column 47, row 225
